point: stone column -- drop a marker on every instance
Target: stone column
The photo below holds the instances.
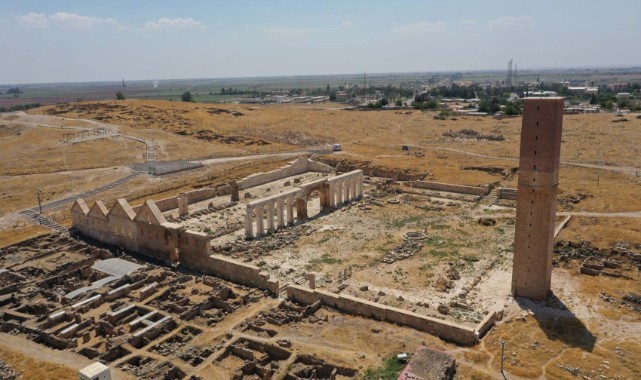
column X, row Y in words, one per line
column 359, row 185
column 353, row 181
column 249, row 223
column 339, row 193
column 183, row 208
column 312, row 280
column 259, row 220
column 330, row 194
column 290, row 209
column 270, row 216
column 346, row 190
column 235, row 196
column 301, row 209
column 280, row 212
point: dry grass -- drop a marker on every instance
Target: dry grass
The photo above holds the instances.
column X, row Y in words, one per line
column 534, row 348
column 603, row 233
column 375, row 137
column 32, row 368
column 34, row 150
column 15, row 235
column 19, row 192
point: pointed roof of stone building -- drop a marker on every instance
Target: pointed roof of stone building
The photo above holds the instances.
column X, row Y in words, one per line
column 98, row 210
column 150, row 213
column 80, row 206
column 122, row 209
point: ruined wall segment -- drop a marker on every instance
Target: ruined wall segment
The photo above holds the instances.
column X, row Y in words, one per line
column 333, row 193
column 450, row 331
column 144, row 230
column 300, row 166
column 536, row 197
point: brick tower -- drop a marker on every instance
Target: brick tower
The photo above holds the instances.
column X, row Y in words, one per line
column 536, row 199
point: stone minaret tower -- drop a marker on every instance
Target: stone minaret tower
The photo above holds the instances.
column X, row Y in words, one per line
column 536, row 200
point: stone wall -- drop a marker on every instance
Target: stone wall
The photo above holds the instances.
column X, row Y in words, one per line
column 446, row 330
column 193, row 196
column 145, row 230
column 234, row 271
column 451, row 188
column 300, row 166
column 505, row 193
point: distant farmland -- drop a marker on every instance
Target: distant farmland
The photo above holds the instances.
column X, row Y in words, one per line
column 209, row 90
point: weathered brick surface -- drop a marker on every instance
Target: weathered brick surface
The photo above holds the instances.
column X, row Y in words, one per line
column 536, row 198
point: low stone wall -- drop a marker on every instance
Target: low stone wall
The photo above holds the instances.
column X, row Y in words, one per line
column 235, row 271
column 193, row 196
column 449, row 331
column 488, row 322
column 505, row 193
column 451, row 188
column 300, row 166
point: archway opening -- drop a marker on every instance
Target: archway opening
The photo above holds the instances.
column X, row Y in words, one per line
column 315, row 203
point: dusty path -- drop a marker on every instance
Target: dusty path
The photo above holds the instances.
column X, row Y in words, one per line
column 626, row 214
column 613, row 168
column 54, row 122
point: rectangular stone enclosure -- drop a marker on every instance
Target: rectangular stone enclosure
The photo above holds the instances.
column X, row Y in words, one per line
column 536, row 198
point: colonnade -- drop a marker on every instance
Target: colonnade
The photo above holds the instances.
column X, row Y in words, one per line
column 345, row 188
column 282, row 203
column 279, row 208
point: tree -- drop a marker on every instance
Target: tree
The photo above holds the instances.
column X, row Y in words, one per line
column 186, row 97
column 593, row 100
column 490, row 106
column 14, row 90
column 332, row 97
column 120, row 95
column 327, row 89
column 398, row 102
column 513, row 108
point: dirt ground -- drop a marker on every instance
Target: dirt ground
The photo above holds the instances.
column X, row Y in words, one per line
column 582, row 333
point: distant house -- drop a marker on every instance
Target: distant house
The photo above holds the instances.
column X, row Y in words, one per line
column 616, row 87
column 543, row 93
column 342, row 96
column 623, row 95
column 584, row 90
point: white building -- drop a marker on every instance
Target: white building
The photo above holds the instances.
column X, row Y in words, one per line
column 95, row 371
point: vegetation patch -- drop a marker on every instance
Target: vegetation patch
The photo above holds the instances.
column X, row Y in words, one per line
column 390, row 370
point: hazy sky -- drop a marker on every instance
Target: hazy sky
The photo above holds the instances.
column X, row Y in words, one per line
column 65, row 40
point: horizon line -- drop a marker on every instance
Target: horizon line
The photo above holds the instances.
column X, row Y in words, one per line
column 635, row 66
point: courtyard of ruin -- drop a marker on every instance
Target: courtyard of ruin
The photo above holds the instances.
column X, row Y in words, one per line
column 436, row 245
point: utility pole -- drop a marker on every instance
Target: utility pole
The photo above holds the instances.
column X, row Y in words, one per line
column 502, row 356
column 39, row 202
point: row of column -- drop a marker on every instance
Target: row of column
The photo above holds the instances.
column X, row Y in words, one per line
column 284, row 208
column 335, row 192
column 345, row 189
